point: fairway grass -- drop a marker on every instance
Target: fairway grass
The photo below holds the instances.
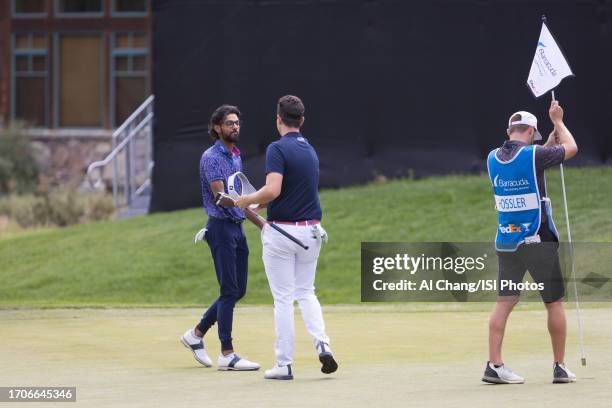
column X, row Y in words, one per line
column 153, row 260
column 388, row 357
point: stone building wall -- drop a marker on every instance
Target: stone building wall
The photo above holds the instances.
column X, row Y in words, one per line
column 64, row 155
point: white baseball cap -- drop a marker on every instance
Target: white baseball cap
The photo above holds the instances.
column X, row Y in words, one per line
column 526, row 118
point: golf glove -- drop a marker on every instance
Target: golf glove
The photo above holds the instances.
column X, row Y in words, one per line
column 200, row 235
column 319, row 233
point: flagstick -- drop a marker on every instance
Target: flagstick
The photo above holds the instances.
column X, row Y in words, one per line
column 571, row 252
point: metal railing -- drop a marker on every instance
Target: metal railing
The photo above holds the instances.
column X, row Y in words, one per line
column 131, row 158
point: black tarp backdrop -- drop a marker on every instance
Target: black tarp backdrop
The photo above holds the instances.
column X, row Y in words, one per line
column 391, row 88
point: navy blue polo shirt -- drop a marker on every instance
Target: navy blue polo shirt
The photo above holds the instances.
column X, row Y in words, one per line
column 294, row 158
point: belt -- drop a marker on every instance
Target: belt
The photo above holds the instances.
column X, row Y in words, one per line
column 302, row 223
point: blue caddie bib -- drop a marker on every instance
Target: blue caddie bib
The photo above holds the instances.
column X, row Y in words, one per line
column 517, row 198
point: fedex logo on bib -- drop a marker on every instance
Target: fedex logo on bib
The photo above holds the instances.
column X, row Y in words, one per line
column 512, row 228
column 519, row 202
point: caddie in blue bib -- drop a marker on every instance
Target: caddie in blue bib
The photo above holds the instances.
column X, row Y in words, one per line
column 517, row 199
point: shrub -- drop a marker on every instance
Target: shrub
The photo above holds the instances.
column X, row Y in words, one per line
column 56, row 208
column 99, row 207
column 25, row 210
column 18, row 168
column 63, row 208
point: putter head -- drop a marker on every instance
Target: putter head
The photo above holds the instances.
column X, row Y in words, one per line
column 224, row 199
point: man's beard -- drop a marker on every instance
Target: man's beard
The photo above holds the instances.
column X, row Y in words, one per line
column 230, row 137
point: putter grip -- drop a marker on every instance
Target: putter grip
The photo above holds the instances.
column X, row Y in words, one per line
column 224, row 199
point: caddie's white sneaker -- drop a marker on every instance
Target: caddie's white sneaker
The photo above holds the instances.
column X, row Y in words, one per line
column 233, row 362
column 562, row 374
column 196, row 345
column 328, row 363
column 279, row 373
column 501, row 375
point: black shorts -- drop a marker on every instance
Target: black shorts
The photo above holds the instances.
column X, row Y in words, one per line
column 542, row 262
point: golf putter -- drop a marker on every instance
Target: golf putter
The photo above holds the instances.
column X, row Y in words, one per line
column 226, row 200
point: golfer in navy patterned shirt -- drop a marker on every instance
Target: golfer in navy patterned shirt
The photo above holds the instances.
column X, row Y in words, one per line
column 226, row 239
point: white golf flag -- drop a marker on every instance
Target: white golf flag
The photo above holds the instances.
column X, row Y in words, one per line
column 549, row 66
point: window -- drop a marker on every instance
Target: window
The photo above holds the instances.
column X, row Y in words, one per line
column 129, row 6
column 63, row 73
column 80, row 77
column 129, row 74
column 76, row 7
column 29, row 8
column 30, row 72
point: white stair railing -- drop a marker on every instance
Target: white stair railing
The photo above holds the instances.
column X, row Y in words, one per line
column 131, row 158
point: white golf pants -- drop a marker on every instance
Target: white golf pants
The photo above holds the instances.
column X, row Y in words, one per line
column 291, row 274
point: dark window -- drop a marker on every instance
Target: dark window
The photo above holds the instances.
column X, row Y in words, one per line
column 22, row 63
column 39, row 63
column 121, row 64
column 29, row 6
column 130, row 74
column 80, row 6
column 130, row 6
column 130, row 94
column 139, row 63
column 30, row 76
column 29, row 100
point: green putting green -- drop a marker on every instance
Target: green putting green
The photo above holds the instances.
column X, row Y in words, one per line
column 389, row 355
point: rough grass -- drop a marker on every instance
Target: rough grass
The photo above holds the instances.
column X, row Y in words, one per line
column 153, row 261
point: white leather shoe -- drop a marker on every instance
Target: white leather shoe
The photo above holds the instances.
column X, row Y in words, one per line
column 279, row 373
column 196, row 345
column 501, row 375
column 233, row 362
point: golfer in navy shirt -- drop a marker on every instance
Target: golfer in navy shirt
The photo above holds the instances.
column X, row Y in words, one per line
column 226, row 239
column 291, row 189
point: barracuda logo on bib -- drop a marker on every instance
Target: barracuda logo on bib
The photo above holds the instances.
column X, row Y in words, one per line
column 499, row 182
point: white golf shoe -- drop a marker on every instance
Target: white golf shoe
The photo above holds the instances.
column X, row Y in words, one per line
column 500, row 375
column 328, row 363
column 279, row 373
column 233, row 362
column 562, row 374
column 196, row 345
